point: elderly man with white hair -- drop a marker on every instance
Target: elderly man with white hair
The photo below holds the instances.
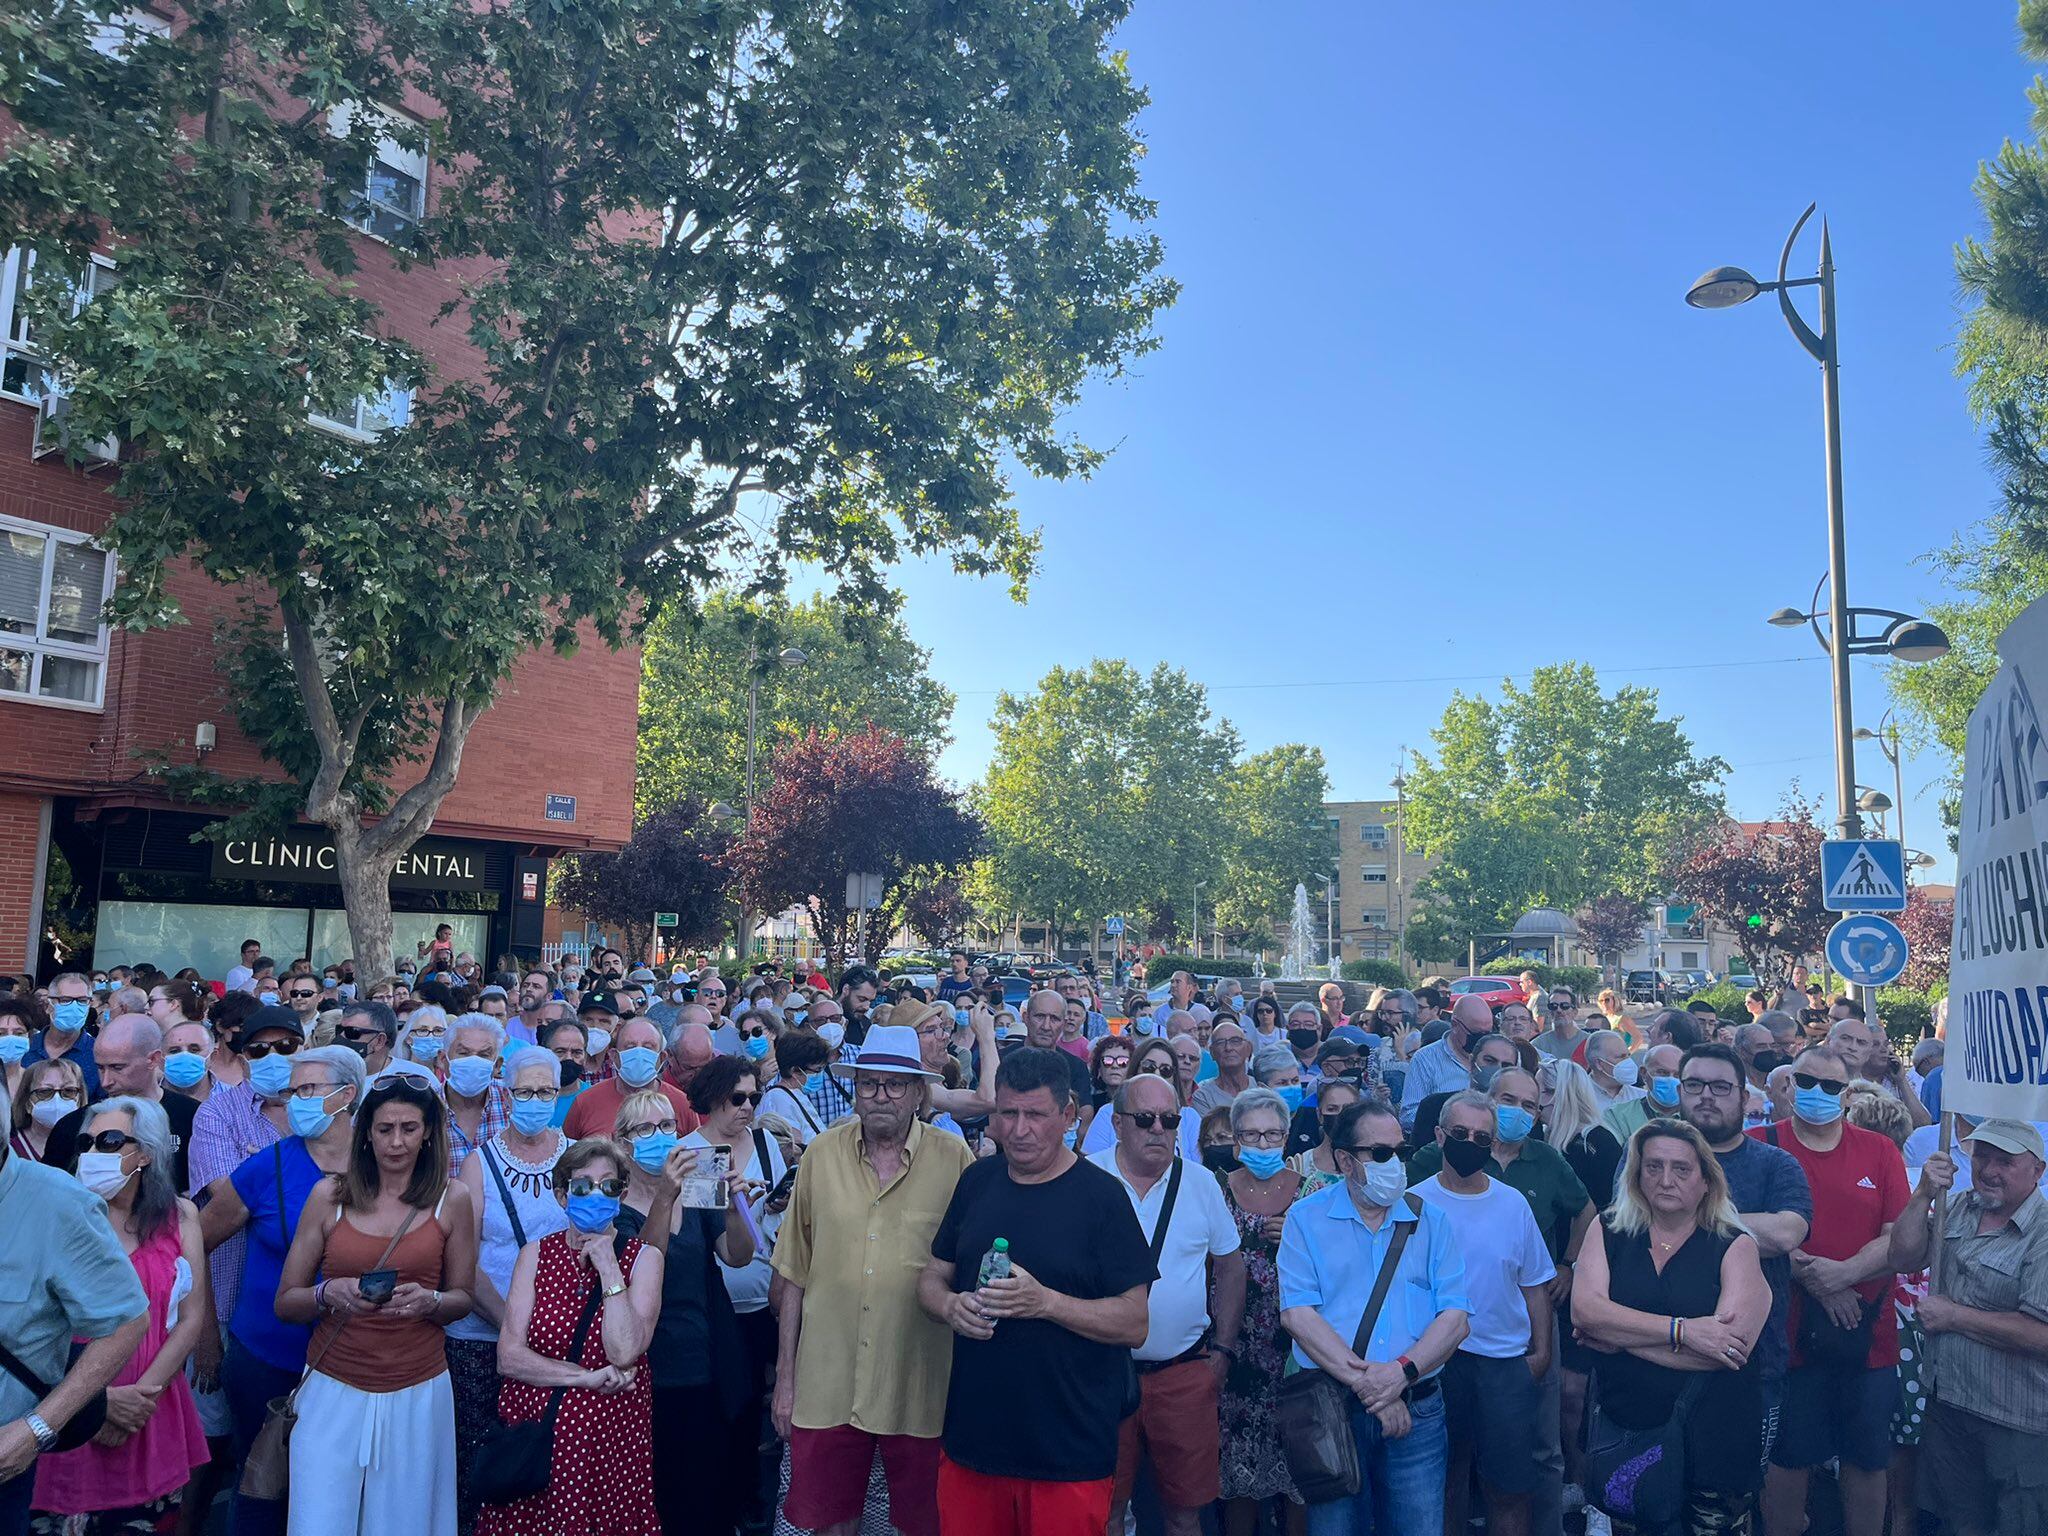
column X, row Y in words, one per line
column 477, row 1108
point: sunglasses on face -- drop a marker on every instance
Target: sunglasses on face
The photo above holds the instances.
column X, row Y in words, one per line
column 761, row 1029
column 1157, row 1068
column 1462, row 1133
column 612, row 1187
column 350, row 1032
column 44, row 1095
column 745, row 1100
column 302, row 993
column 106, row 1141
column 263, row 1048
column 1564, row 1007
column 1146, row 1119
column 1377, row 1151
column 1808, row 1080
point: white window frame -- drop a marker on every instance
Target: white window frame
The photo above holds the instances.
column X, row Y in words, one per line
column 1373, row 874
column 388, row 151
column 353, row 429
column 114, row 33
column 1373, row 834
column 19, row 261
column 36, row 645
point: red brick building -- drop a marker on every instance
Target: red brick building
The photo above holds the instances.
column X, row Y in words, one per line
column 548, row 769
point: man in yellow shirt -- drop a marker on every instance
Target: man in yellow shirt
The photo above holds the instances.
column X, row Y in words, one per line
column 859, row 1365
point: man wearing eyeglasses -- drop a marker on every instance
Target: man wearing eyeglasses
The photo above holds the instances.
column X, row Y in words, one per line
column 1180, row 1365
column 860, row 1367
column 1332, row 1248
column 1843, row 1383
column 1491, row 1388
column 301, row 994
column 1769, row 1190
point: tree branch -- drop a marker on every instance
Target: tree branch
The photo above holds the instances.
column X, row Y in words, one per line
column 325, row 801
column 413, row 812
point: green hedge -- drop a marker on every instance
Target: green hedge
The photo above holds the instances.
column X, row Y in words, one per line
column 1904, row 1013
column 1159, row 967
column 1727, row 1000
column 1583, row 978
column 1375, row 973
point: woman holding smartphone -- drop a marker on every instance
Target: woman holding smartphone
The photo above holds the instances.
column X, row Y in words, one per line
column 393, row 1243
column 727, row 1093
column 701, row 1387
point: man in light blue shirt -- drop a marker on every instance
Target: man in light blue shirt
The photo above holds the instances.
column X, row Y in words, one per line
column 1331, row 1251
column 1445, row 1066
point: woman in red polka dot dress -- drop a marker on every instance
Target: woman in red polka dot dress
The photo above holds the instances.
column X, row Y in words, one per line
column 601, row 1477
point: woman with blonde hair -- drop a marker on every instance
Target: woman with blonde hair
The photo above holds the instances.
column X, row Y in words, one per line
column 1672, row 1299
column 50, row 1090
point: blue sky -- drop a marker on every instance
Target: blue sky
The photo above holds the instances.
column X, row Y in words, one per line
column 1432, row 406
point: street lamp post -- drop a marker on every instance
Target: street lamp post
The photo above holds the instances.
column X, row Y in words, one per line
column 1195, row 946
column 789, row 658
column 1400, row 859
column 1908, row 638
column 1895, row 755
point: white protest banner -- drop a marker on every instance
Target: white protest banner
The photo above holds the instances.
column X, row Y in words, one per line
column 1997, row 1060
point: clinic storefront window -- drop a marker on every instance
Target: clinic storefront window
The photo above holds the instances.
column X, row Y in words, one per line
column 165, row 898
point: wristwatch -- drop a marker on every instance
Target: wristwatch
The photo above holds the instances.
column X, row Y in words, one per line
column 1409, row 1370
column 46, row 1437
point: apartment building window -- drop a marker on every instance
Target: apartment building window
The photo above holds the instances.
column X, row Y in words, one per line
column 53, row 584
column 1373, row 834
column 1374, row 917
column 369, row 415
column 115, row 35
column 394, row 195
column 1373, row 874
column 24, row 372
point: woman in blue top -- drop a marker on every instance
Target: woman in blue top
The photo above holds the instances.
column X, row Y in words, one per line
column 264, row 1357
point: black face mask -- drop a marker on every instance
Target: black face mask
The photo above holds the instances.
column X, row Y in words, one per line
column 1466, row 1157
column 1302, row 1039
column 572, row 1074
column 1219, row 1159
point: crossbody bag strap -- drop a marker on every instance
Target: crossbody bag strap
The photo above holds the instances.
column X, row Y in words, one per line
column 575, row 1349
column 762, row 1162
column 283, row 1232
column 1403, row 1230
column 1165, row 1214
column 504, row 1194
column 11, row 1363
column 412, row 1215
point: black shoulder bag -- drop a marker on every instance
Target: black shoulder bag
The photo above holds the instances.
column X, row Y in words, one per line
column 1132, row 1390
column 515, row 1461
column 82, row 1425
column 1312, row 1409
column 1638, row 1475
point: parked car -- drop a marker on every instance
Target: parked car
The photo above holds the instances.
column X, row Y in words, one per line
column 1682, row 984
column 1498, row 991
column 1647, row 987
column 1746, row 982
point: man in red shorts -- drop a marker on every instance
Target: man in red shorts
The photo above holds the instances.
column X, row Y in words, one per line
column 859, row 1367
column 1042, row 1353
column 1180, row 1366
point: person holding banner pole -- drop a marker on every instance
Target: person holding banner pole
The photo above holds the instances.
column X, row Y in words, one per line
column 1986, row 1318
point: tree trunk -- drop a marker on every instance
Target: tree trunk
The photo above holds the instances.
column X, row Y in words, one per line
column 366, row 895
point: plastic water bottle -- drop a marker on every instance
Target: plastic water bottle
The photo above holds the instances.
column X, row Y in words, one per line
column 995, row 1264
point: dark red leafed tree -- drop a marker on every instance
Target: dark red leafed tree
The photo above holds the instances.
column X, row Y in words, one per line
column 842, row 804
column 673, row 864
column 1929, row 927
column 1611, row 926
column 1761, row 880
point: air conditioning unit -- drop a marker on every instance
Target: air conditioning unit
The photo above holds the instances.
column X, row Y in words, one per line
column 53, row 432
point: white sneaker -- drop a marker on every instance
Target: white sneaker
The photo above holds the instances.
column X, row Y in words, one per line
column 1597, row 1523
column 1574, row 1498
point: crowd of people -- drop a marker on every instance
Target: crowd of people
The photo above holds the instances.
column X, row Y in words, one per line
column 591, row 1249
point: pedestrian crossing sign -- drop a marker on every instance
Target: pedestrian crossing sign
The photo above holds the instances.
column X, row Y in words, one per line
column 1862, row 875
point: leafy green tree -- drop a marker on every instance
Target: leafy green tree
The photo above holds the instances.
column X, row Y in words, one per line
column 859, row 669
column 1104, row 794
column 733, row 286
column 673, row 864
column 1999, row 566
column 1274, row 833
column 1552, row 795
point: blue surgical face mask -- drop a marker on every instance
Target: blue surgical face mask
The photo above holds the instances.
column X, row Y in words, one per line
column 756, row 1046
column 271, row 1075
column 532, row 1116
column 652, row 1150
column 1816, row 1106
column 1664, row 1092
column 471, row 1075
column 70, row 1016
column 593, row 1212
column 182, row 1069
column 1511, row 1122
column 1261, row 1162
column 638, row 1064
column 307, row 1117
column 424, row 1047
column 795, row 1016
column 12, row 1049
column 1073, row 1135
column 1290, row 1096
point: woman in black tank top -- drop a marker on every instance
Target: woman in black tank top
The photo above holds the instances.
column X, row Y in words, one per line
column 1675, row 1291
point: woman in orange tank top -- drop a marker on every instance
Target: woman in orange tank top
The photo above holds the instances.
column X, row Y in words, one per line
column 382, row 1261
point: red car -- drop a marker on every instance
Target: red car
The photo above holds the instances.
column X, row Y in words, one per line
column 1498, row 991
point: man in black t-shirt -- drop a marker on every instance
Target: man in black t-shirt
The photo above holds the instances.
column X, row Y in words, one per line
column 1041, row 1360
